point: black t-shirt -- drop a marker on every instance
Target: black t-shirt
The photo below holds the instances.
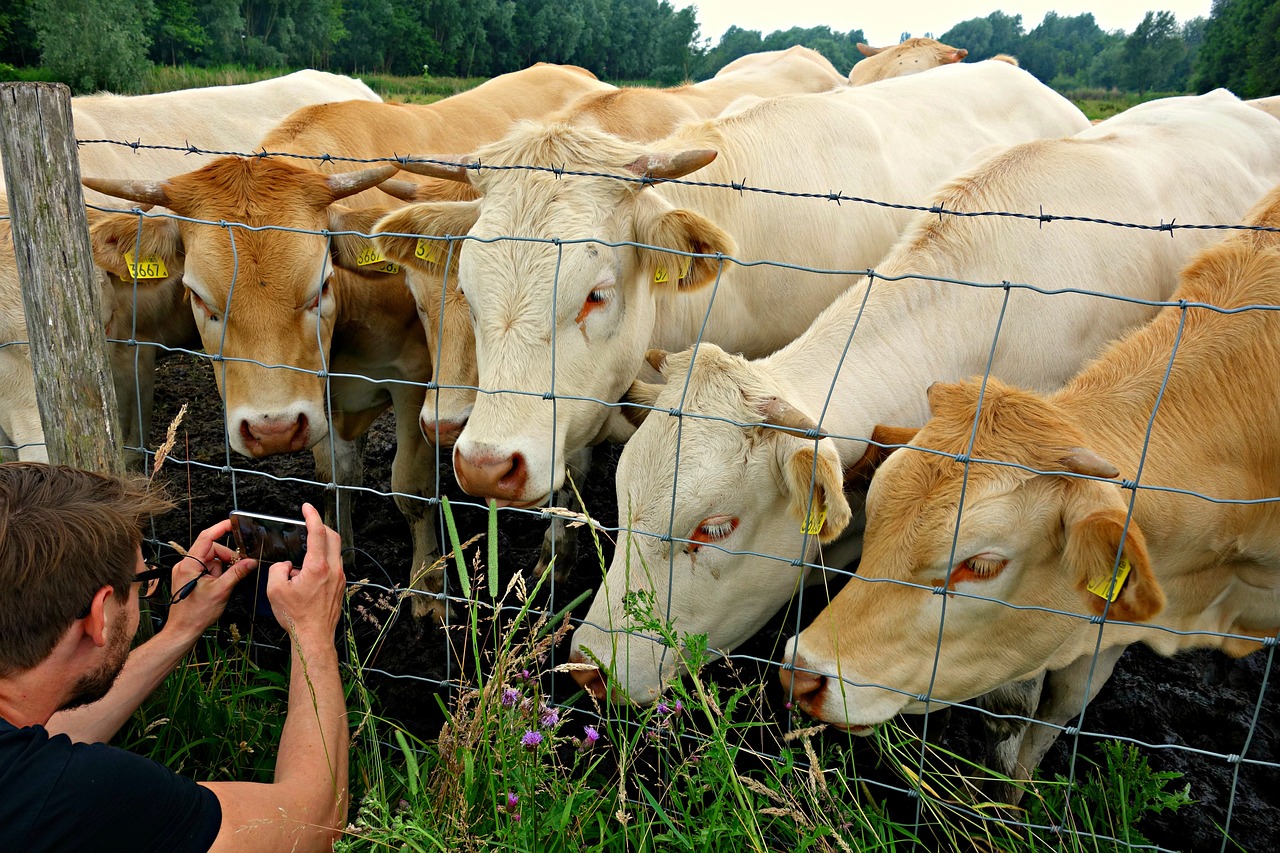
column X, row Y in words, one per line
column 57, row 795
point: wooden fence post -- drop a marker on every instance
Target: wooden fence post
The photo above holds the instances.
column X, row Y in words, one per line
column 61, row 290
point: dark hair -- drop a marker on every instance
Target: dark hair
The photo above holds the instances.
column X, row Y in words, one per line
column 64, row 535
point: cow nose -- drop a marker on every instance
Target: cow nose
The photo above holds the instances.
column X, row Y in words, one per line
column 270, row 435
column 590, row 680
column 490, row 475
column 803, row 688
column 442, row 433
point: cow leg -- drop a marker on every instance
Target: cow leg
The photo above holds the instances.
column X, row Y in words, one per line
column 1004, row 737
column 20, row 426
column 344, row 465
column 560, row 539
column 134, row 372
column 1063, row 699
column 413, row 480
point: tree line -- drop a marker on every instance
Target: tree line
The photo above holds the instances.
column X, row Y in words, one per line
column 107, row 44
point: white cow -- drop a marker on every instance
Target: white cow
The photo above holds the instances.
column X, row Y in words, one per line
column 601, row 306
column 217, row 118
column 910, row 57
column 744, row 489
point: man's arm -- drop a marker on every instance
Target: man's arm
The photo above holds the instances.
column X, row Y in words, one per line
column 150, row 663
column 305, row 807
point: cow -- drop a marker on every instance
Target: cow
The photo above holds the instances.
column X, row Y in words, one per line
column 212, row 118
column 645, row 114
column 745, row 489
column 584, row 297
column 1060, row 532
column 636, row 113
column 910, row 57
column 299, row 323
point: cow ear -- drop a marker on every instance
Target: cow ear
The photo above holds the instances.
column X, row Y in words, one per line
column 405, row 235
column 829, row 513
column 1090, row 553
column 883, row 439
column 867, row 50
column 957, row 54
column 683, row 231
column 356, row 252
column 117, row 237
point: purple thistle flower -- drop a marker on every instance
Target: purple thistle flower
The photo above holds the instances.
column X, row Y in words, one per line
column 509, row 697
column 531, row 739
column 524, row 675
column 550, row 716
column 516, row 816
column 663, row 709
column 678, row 707
column 512, row 801
column 589, row 738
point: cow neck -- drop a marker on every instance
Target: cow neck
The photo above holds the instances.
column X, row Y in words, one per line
column 896, row 352
column 1205, row 439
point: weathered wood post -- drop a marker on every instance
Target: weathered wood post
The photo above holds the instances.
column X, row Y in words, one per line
column 61, row 290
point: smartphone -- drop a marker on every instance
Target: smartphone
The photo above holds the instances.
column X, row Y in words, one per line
column 269, row 538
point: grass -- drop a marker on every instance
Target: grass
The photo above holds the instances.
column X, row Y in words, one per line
column 704, row 770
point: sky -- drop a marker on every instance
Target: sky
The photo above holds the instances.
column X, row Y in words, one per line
column 884, row 21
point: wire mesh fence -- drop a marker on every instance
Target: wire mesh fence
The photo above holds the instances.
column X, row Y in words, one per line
column 799, row 554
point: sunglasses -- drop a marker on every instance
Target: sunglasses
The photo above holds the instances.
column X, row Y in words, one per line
column 149, row 580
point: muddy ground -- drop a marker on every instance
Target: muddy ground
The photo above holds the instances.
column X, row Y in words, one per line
column 1198, row 701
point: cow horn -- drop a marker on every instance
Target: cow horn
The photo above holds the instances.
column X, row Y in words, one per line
column 445, row 168
column 344, row 184
column 779, row 413
column 656, row 358
column 403, row 190
column 669, row 165
column 147, row 192
column 1082, row 460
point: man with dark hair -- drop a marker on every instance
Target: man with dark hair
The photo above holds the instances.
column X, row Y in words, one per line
column 71, row 574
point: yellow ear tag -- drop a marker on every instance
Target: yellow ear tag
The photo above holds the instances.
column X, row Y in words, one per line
column 661, row 276
column 369, row 255
column 427, row 250
column 1099, row 587
column 813, row 522
column 151, row 266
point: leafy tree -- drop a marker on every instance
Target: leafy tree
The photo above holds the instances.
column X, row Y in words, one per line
column 1226, row 54
column 178, row 36
column 1152, row 52
column 225, row 27
column 17, row 38
column 974, row 35
column 93, row 44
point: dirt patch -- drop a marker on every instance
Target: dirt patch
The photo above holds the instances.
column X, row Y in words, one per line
column 1192, row 709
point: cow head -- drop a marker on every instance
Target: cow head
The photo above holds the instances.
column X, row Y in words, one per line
column 564, row 308
column 265, row 298
column 1046, row 543
column 747, row 483
column 911, row 57
column 431, row 271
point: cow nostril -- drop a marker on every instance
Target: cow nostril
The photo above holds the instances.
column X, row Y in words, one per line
column 514, row 477
column 590, row 680
column 800, row 686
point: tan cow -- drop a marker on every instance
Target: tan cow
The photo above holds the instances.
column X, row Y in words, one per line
column 301, row 340
column 213, row 118
column 910, row 57
column 602, row 305
column 1185, row 406
column 742, row 490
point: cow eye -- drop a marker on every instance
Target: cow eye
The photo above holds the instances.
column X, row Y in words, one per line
column 711, row 529
column 203, row 306
column 597, row 298
column 978, row 568
column 324, row 291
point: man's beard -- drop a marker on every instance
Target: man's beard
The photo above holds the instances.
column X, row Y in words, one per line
column 94, row 685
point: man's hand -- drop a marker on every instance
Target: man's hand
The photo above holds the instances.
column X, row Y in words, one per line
column 307, row 601
column 215, row 570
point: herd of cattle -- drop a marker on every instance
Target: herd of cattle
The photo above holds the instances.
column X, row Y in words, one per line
column 536, row 265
